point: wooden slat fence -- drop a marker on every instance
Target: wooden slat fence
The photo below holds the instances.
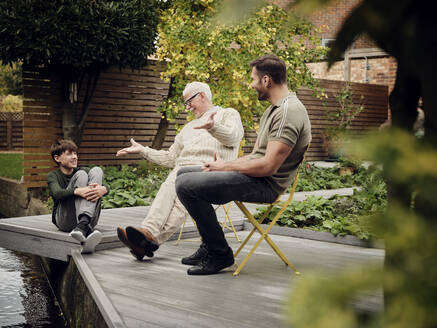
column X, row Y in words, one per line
column 11, row 130
column 374, row 101
column 124, row 106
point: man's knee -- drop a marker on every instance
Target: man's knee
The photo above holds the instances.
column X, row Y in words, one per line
column 180, row 184
column 188, row 169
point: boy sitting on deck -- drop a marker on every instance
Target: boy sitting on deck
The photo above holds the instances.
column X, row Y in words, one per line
column 76, row 193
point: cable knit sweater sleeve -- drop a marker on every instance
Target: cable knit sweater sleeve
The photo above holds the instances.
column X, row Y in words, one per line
column 166, row 158
column 227, row 127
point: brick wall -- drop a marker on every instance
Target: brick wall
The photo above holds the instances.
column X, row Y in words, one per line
column 380, row 70
column 330, row 18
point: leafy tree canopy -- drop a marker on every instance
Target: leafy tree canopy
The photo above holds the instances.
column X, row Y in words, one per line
column 77, row 33
column 76, row 39
column 10, row 79
column 201, row 48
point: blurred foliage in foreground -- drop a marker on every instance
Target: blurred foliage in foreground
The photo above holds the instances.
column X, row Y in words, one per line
column 410, row 234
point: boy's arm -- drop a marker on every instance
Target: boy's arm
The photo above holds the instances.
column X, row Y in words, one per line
column 56, row 191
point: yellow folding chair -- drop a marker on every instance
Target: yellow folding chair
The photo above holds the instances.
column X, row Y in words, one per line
column 265, row 233
column 224, row 224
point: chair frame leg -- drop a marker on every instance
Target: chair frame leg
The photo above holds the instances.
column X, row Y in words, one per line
column 180, row 232
column 182, row 229
column 264, row 236
column 228, row 218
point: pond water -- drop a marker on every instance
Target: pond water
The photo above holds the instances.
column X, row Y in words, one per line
column 26, row 299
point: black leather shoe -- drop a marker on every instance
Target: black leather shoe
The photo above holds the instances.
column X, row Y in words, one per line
column 197, row 257
column 212, row 264
column 138, row 238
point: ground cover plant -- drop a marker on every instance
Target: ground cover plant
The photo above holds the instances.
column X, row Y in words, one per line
column 339, row 215
column 11, row 166
column 132, row 185
column 312, row 177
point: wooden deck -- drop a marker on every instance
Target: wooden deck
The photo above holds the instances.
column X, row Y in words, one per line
column 158, row 292
column 37, row 234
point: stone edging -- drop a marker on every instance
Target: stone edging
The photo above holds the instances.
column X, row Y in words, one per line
column 319, row 235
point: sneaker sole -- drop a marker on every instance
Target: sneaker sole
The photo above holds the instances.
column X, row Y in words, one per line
column 138, row 239
column 205, row 273
column 188, row 262
column 78, row 236
column 91, row 242
column 121, row 237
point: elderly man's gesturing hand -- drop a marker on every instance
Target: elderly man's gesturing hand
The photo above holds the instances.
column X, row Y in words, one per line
column 135, row 148
column 209, row 123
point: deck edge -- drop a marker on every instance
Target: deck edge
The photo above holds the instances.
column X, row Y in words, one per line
column 107, row 310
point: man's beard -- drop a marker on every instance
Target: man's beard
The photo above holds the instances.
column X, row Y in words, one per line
column 262, row 95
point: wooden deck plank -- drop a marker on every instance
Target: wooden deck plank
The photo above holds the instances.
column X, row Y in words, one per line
column 38, row 235
column 158, row 292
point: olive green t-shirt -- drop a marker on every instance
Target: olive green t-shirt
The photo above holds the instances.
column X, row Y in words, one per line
column 287, row 122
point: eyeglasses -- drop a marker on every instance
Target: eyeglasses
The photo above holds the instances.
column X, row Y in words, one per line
column 189, row 100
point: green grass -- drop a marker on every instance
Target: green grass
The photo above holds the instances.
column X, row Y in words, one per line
column 11, row 166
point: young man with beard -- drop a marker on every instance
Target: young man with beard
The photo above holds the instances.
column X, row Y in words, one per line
column 76, row 193
column 214, row 130
column 283, row 136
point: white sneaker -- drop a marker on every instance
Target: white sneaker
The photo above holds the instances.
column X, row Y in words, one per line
column 78, row 235
column 91, row 242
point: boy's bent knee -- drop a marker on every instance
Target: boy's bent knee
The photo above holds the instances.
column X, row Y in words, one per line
column 81, row 173
column 81, row 177
column 97, row 171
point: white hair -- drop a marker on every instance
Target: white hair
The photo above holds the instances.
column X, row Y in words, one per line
column 195, row 87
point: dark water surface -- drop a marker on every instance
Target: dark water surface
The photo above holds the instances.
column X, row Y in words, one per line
column 26, row 299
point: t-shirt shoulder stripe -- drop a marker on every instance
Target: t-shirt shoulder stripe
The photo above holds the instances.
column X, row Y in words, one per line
column 284, row 116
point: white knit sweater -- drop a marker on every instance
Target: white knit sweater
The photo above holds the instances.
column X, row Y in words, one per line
column 193, row 146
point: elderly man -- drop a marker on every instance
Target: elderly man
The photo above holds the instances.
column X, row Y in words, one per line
column 214, row 130
column 283, row 136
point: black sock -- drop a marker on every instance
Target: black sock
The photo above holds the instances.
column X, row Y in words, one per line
column 84, row 219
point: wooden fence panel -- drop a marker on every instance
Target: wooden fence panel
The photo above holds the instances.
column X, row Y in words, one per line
column 124, row 107
column 11, row 131
column 375, row 103
column 374, row 99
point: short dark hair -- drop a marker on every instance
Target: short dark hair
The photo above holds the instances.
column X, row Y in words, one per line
column 272, row 66
column 61, row 146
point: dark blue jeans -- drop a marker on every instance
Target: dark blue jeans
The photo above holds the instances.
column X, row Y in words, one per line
column 197, row 190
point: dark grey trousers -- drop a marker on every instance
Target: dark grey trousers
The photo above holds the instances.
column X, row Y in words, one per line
column 197, row 190
column 68, row 211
